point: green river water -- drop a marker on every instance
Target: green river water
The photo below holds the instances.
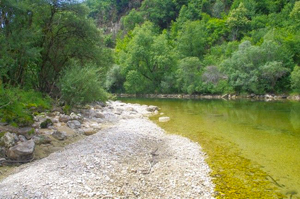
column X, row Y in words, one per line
column 253, row 147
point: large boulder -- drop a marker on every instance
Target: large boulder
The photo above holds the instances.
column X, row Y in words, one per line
column 74, row 124
column 9, row 139
column 23, row 151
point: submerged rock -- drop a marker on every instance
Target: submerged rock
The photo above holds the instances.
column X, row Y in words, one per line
column 163, row 119
column 59, row 135
column 22, row 151
column 41, row 139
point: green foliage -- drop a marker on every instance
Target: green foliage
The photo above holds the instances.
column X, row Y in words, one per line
column 114, row 79
column 189, row 74
column 147, row 59
column 81, row 84
column 256, row 68
column 238, row 21
column 39, row 38
column 46, row 123
column 16, row 105
column 192, row 39
column 295, row 79
column 242, row 45
column 135, row 82
column 295, row 14
column 159, row 12
column 132, row 19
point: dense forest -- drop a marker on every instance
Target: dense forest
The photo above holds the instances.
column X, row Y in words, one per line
column 76, row 51
column 203, row 46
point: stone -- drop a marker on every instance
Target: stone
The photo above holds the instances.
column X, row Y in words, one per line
column 130, row 109
column 74, row 116
column 119, row 111
column 152, row 108
column 59, row 135
column 99, row 115
column 41, row 139
column 8, row 140
column 3, row 123
column 27, row 132
column 74, row 124
column 89, row 131
column 163, row 119
column 95, row 126
column 22, row 138
column 98, row 107
column 23, row 151
column 64, row 118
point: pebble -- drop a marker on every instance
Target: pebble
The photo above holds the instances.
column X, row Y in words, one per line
column 110, row 164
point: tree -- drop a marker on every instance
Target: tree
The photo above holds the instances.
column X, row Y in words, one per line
column 189, row 74
column 192, row 39
column 159, row 12
column 39, row 38
column 257, row 69
column 238, row 21
column 149, row 55
column 132, row 19
column 295, row 79
column 218, row 8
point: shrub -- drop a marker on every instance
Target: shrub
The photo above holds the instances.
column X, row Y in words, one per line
column 81, row 85
column 17, row 105
column 295, row 79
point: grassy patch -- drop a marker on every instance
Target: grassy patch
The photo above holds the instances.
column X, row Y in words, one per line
column 17, row 105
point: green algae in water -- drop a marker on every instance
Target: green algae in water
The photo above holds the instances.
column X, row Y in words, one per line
column 253, row 147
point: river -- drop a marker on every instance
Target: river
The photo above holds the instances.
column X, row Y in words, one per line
column 253, row 147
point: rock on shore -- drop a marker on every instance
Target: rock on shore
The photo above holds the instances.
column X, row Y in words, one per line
column 132, row 159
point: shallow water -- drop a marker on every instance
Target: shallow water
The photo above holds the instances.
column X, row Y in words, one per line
column 253, row 147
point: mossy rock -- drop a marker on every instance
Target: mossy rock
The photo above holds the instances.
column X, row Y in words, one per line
column 46, row 124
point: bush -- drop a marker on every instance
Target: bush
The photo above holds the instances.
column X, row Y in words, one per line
column 81, row 85
column 295, row 79
column 17, row 105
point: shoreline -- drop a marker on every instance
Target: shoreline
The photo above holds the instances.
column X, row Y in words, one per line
column 267, row 97
column 132, row 158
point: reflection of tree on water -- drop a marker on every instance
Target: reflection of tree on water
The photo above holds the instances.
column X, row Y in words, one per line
column 295, row 117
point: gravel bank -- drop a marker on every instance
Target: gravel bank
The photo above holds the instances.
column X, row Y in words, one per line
column 132, row 159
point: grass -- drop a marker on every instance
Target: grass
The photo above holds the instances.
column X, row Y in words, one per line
column 17, row 105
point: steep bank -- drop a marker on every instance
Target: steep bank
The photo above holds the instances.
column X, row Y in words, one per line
column 133, row 159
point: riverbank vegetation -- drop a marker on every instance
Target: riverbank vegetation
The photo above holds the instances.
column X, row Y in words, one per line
column 42, row 41
column 199, row 46
column 134, row 46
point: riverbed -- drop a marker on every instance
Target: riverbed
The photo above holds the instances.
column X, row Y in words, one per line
column 253, row 146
